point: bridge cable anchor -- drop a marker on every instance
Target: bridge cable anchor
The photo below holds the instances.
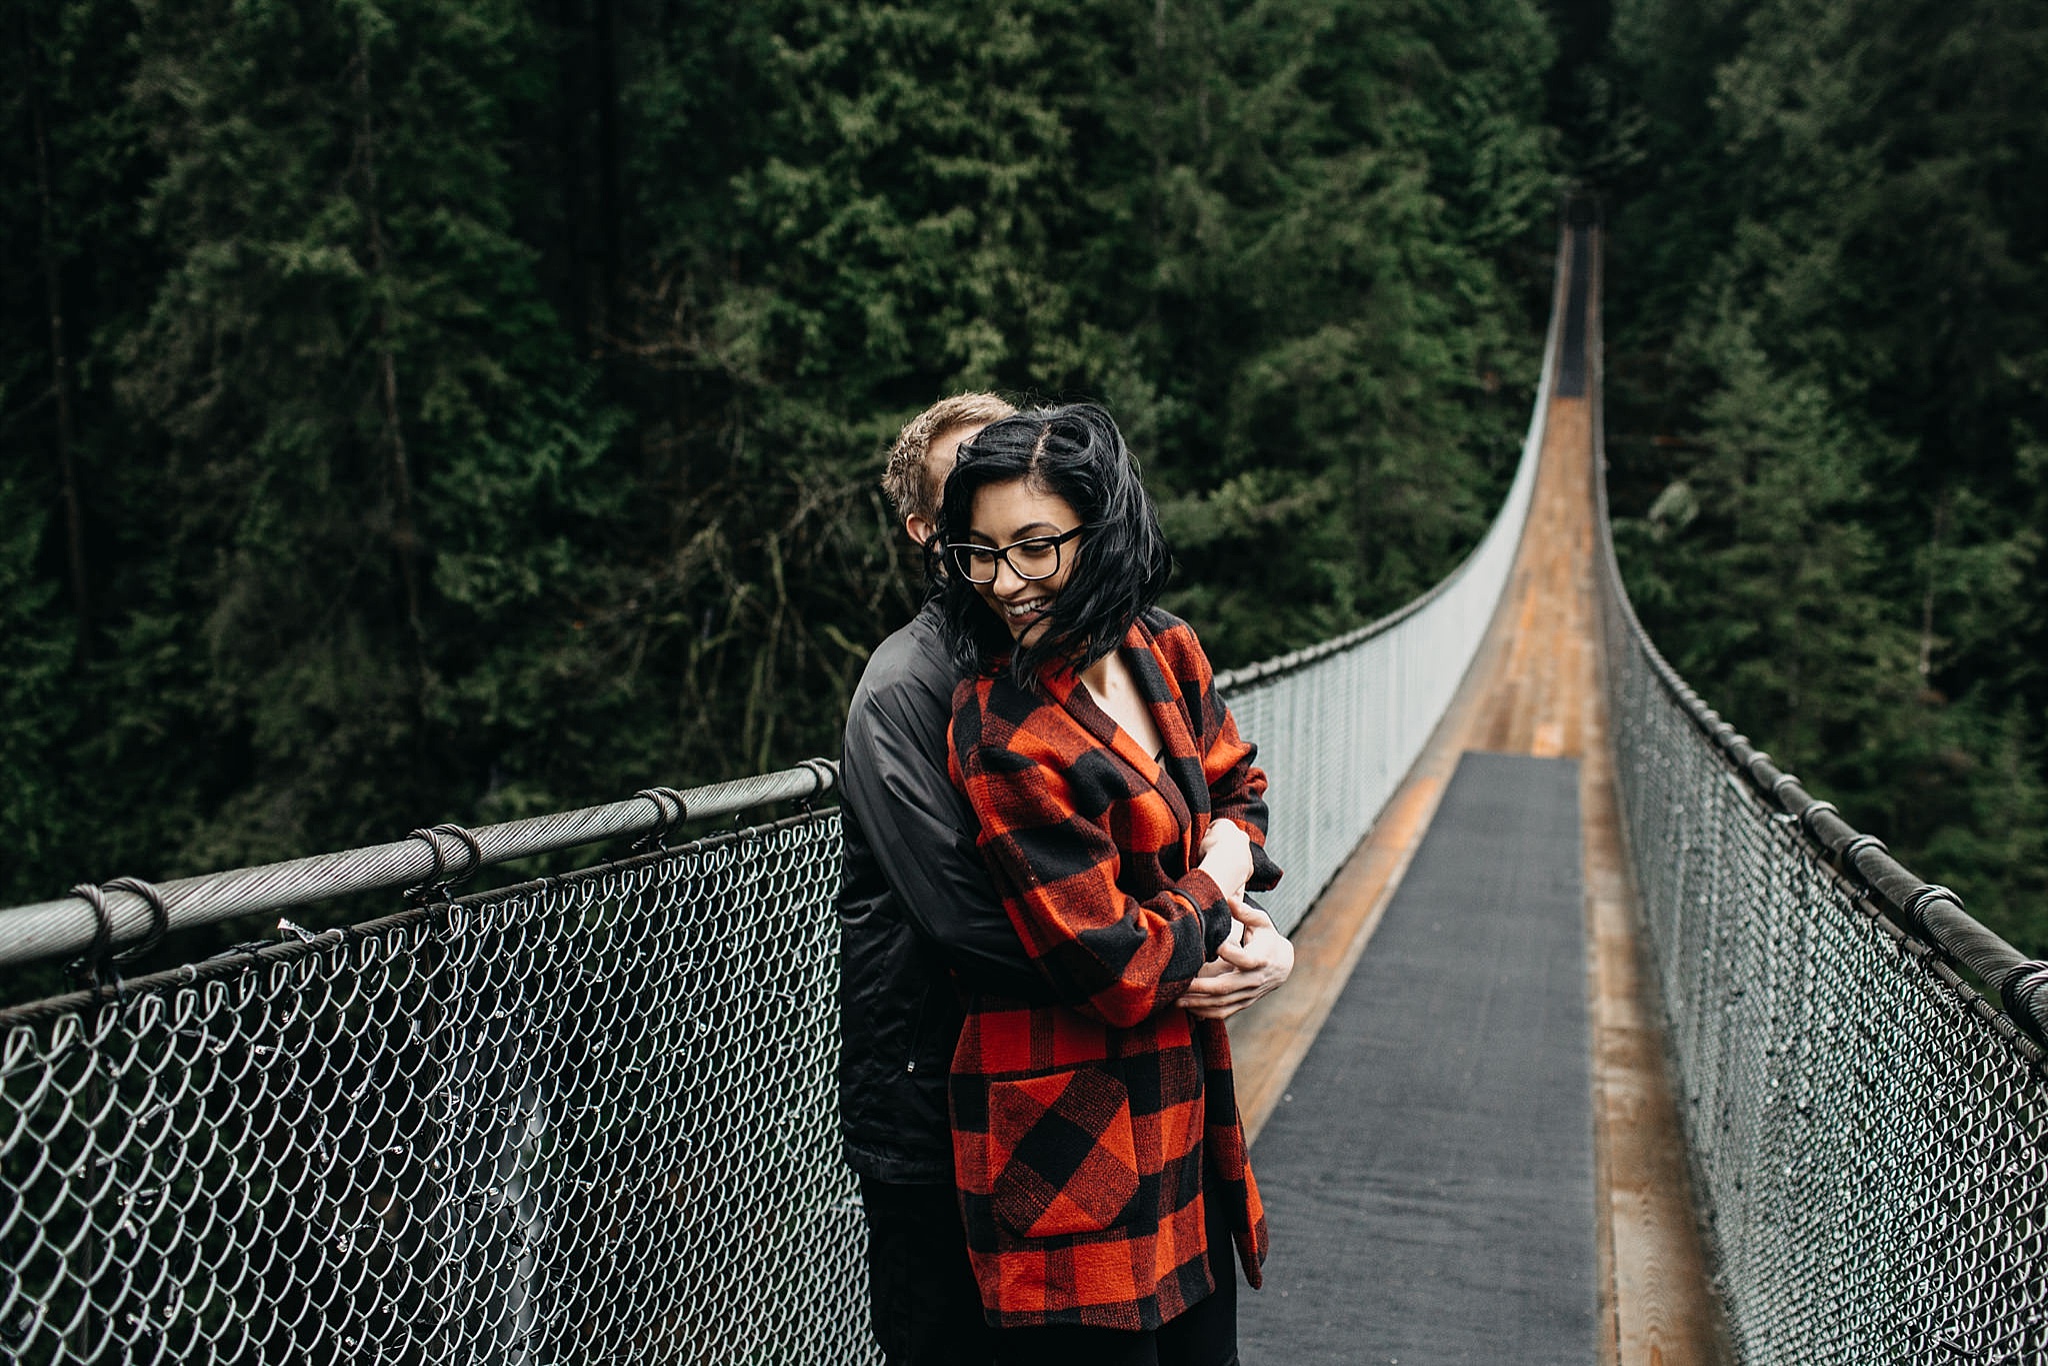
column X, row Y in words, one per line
column 1845, row 857
column 100, row 963
column 825, row 774
column 95, row 966
column 1806, row 816
column 159, row 915
column 439, row 886
column 657, row 838
column 1915, row 907
column 2024, row 994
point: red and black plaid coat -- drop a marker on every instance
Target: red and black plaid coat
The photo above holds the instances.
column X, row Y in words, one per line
column 1080, row 1129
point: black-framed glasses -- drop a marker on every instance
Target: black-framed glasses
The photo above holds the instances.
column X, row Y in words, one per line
column 1031, row 559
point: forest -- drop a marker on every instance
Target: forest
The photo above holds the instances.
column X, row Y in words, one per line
column 1827, row 403
column 423, row 410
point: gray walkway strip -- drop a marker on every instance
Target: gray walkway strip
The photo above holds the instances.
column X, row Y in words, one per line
column 1429, row 1182
column 1571, row 355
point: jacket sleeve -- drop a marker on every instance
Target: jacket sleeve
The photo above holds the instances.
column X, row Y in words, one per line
column 1106, row 953
column 1237, row 787
column 922, row 836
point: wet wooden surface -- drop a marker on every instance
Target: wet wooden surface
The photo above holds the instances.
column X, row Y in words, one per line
column 1535, row 688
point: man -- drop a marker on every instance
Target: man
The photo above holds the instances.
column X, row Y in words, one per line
column 916, row 907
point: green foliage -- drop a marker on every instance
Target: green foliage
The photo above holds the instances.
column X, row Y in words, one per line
column 1821, row 275
column 482, row 413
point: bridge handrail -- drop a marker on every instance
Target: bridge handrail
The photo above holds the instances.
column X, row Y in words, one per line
column 1930, row 912
column 589, row 1116
column 1278, row 666
column 1339, row 724
column 72, row 925
column 1507, row 522
column 1866, row 1128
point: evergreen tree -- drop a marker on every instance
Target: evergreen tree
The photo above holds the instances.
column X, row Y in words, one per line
column 371, row 463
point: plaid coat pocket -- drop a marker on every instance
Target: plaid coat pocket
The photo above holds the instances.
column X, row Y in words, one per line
column 1061, row 1150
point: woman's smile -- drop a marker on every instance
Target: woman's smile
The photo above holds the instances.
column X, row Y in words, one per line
column 1027, row 609
column 1025, row 614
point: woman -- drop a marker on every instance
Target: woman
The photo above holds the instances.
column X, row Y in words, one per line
column 1097, row 1147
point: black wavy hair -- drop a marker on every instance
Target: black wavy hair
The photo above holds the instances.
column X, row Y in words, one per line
column 1123, row 562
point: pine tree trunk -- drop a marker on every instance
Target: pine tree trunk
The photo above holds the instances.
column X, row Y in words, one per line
column 1926, row 661
column 569, row 180
column 60, row 356
column 609, row 210
column 404, row 535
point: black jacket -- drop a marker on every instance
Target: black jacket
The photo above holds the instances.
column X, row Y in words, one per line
column 915, row 903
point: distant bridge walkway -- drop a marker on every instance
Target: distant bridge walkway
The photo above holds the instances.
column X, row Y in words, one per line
column 1478, row 1157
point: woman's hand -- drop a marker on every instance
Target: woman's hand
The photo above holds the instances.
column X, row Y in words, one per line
column 1244, row 969
column 1227, row 857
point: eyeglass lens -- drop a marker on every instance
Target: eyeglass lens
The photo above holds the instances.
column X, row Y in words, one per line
column 1037, row 558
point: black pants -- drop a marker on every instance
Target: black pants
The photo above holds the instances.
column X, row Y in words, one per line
column 923, row 1304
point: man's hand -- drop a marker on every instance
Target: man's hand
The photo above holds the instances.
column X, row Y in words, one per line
column 1244, row 969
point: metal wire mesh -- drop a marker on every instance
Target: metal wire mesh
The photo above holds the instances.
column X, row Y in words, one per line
column 587, row 1119
column 1870, row 1139
column 590, row 1119
column 1337, row 736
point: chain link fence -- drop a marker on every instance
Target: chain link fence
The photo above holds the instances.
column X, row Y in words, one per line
column 585, row 1119
column 1868, row 1128
column 588, row 1119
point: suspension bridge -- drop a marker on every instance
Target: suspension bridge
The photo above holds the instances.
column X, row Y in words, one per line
column 1607, row 1042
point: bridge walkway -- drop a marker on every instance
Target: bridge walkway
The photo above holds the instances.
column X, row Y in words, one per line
column 1429, row 1173
column 1363, row 1241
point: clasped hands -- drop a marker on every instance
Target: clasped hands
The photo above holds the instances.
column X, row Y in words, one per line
column 1251, row 963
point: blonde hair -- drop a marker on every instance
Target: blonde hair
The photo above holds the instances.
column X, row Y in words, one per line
column 906, row 480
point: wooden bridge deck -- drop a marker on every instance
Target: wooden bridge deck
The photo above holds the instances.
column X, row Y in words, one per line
column 1535, row 689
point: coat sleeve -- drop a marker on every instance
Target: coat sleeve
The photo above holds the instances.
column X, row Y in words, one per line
column 1104, row 952
column 1237, row 786
column 923, row 838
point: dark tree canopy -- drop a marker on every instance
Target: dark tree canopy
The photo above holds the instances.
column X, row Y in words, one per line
column 424, row 410
column 1828, row 416
column 456, row 409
